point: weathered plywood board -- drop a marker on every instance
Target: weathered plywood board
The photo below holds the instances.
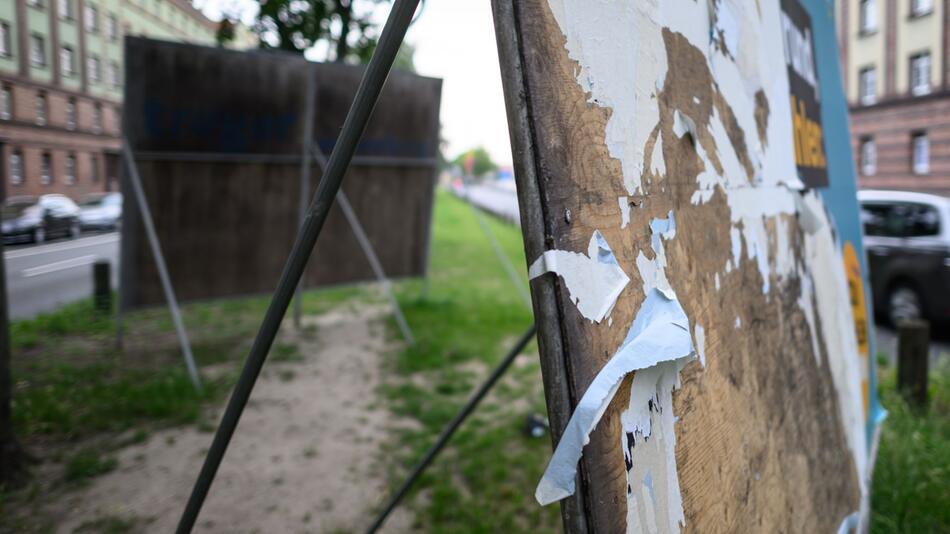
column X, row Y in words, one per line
column 218, row 136
column 662, row 133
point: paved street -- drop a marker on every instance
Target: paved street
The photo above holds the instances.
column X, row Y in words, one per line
column 42, row 278
column 496, row 199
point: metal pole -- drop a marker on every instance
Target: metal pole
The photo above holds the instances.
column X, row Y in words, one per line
column 500, row 254
column 366, row 96
column 305, row 177
column 367, row 247
column 139, row 194
column 913, row 348
column 119, row 327
column 102, row 286
column 451, row 428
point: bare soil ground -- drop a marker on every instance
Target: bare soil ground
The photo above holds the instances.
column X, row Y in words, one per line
column 308, row 455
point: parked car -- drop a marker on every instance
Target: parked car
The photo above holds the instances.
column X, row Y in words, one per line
column 101, row 211
column 38, row 219
column 907, row 237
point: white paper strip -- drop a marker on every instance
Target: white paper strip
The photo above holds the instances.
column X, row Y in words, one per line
column 659, row 333
column 594, row 281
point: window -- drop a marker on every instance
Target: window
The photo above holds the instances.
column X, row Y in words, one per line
column 919, row 8
column 921, row 153
column 93, row 66
column 16, row 167
column 66, row 9
column 6, row 47
column 6, row 103
column 67, row 61
column 37, row 50
column 41, row 108
column 70, row 175
column 46, row 164
column 920, row 220
column 868, row 157
column 94, row 168
column 900, row 219
column 97, row 118
column 71, row 113
column 114, row 74
column 112, row 27
column 867, row 17
column 92, row 19
column 920, row 74
column 867, row 86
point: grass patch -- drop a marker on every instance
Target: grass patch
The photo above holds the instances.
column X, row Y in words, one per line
column 484, row 480
column 86, row 464
column 911, row 489
column 72, row 400
column 109, row 525
column 70, row 380
column 285, row 352
column 76, row 318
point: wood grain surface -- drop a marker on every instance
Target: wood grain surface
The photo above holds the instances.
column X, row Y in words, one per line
column 759, row 441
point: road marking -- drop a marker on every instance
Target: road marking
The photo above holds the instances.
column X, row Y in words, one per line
column 56, row 247
column 59, row 266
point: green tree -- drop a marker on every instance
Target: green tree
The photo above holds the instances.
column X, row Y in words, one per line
column 346, row 26
column 480, row 159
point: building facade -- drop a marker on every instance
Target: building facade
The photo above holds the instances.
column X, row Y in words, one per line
column 61, row 77
column 894, row 56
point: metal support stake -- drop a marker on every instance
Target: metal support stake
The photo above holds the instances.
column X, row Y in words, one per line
column 102, row 287
column 502, row 257
column 367, row 247
column 139, row 195
column 450, row 429
column 366, row 96
column 305, row 176
column 119, row 324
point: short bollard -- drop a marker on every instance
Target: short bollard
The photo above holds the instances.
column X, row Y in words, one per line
column 913, row 346
column 101, row 288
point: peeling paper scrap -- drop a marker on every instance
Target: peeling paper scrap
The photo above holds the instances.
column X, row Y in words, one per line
column 683, row 125
column 624, row 211
column 593, row 281
column 660, row 333
column 850, row 524
column 809, row 220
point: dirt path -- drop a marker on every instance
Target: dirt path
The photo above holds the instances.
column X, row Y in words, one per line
column 307, row 456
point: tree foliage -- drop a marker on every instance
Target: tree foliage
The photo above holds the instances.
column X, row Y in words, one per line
column 346, row 26
column 480, row 161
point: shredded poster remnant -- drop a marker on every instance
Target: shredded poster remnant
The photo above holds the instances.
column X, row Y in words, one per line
column 594, row 281
column 660, row 333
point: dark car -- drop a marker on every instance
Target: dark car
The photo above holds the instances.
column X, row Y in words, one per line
column 100, row 211
column 38, row 219
column 907, row 237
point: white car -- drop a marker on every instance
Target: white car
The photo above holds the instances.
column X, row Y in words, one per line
column 907, row 238
column 101, row 211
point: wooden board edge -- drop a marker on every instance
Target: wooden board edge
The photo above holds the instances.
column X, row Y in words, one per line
column 558, row 389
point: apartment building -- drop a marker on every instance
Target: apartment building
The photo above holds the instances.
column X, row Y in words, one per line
column 61, row 80
column 895, row 68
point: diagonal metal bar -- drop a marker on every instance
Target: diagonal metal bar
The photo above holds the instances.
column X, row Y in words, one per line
column 450, row 429
column 367, row 247
column 366, row 96
column 146, row 216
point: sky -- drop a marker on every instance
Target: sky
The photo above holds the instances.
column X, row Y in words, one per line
column 454, row 40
